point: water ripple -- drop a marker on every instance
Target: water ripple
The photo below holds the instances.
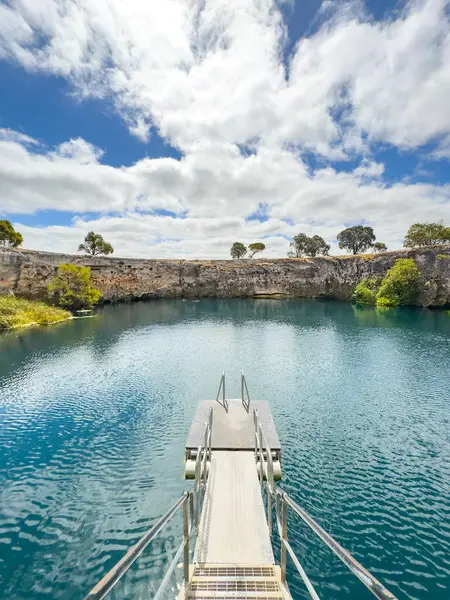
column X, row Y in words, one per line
column 94, row 416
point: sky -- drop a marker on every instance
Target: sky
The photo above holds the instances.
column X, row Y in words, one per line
column 176, row 127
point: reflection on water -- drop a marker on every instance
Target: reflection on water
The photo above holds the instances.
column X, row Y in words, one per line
column 94, row 415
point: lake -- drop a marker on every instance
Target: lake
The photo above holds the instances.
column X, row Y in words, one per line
column 94, row 415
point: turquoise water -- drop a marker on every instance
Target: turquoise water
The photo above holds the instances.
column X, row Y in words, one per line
column 94, row 416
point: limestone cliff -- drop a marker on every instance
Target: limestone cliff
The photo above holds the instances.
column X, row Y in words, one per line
column 27, row 273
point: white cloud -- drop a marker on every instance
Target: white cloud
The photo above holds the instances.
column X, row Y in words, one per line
column 443, row 149
column 214, row 190
column 211, row 78
column 80, row 151
column 9, row 135
column 213, row 71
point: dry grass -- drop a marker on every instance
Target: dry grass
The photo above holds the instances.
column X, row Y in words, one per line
column 17, row 312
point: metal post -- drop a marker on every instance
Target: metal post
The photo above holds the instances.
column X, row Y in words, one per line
column 198, row 466
column 261, row 466
column 192, row 510
column 283, row 538
column 186, row 545
column 223, row 390
column 269, row 509
column 205, row 466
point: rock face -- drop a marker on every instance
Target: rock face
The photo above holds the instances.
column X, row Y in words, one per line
column 27, row 273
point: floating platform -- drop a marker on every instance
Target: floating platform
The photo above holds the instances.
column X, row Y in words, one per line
column 233, row 429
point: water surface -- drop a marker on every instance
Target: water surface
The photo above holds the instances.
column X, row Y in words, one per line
column 94, row 415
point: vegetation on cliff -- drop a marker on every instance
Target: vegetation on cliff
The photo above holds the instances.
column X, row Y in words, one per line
column 17, row 312
column 379, row 247
column 9, row 237
column 94, row 244
column 302, row 245
column 255, row 248
column 427, row 234
column 399, row 287
column 238, row 250
column 366, row 291
column 356, row 239
column 72, row 288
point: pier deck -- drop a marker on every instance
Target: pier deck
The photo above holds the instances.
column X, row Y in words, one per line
column 233, row 511
column 232, row 429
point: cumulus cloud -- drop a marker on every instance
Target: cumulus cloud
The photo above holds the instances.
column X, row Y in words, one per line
column 9, row 135
column 214, row 70
column 213, row 79
column 198, row 206
column 80, row 151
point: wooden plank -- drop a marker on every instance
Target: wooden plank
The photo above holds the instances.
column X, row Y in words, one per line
column 233, row 527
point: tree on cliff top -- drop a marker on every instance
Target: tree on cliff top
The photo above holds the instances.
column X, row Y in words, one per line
column 94, row 244
column 357, row 238
column 256, row 247
column 9, row 237
column 302, row 245
column 427, row 234
column 380, row 247
column 238, row 250
column 72, row 288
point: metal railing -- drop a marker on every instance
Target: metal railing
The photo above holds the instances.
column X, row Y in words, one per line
column 191, row 502
column 244, row 393
column 224, row 402
column 201, row 466
column 282, row 503
column 265, row 468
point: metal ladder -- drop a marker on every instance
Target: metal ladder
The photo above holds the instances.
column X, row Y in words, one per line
column 245, row 396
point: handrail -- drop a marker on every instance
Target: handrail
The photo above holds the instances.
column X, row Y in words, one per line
column 260, row 442
column 201, row 464
column 375, row 586
column 224, row 402
column 105, row 585
column 191, row 503
column 244, row 388
column 281, row 497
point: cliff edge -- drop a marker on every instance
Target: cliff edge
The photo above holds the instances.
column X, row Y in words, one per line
column 28, row 272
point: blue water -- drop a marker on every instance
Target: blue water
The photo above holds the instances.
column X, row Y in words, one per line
column 94, row 416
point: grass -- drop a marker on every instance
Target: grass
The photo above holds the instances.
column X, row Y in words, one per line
column 17, row 312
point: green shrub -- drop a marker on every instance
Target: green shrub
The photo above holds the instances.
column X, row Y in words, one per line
column 366, row 291
column 72, row 288
column 400, row 285
column 443, row 256
column 17, row 312
column 384, row 302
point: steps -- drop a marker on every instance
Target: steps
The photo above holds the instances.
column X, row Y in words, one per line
column 240, row 582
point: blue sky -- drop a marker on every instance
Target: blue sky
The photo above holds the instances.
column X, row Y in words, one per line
column 175, row 131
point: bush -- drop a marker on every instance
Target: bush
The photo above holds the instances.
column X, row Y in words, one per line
column 400, row 285
column 443, row 256
column 366, row 291
column 383, row 301
column 72, row 288
column 16, row 312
